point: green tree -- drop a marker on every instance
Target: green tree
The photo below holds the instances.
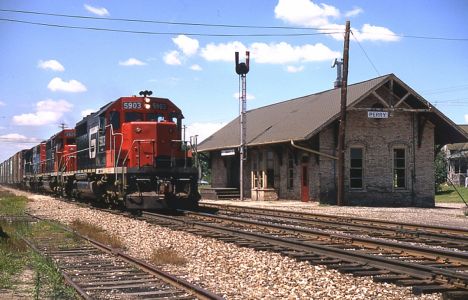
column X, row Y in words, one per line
column 440, row 163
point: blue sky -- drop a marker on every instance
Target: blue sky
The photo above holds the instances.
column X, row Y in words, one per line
column 51, row 75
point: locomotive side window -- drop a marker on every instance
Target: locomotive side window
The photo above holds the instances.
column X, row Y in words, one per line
column 175, row 117
column 114, row 119
column 133, row 116
column 102, row 122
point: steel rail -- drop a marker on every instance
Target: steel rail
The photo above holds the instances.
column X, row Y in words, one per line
column 168, row 278
column 381, row 231
column 402, row 225
column 438, row 254
column 445, row 278
column 82, row 293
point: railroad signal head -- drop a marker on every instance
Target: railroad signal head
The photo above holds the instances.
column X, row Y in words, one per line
column 146, row 93
column 242, row 68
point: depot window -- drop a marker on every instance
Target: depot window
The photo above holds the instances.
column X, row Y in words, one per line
column 399, row 168
column 356, row 167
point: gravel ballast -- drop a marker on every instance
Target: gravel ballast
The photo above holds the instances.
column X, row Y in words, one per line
column 226, row 269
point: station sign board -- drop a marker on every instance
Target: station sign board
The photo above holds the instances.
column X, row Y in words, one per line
column 228, row 152
column 377, row 114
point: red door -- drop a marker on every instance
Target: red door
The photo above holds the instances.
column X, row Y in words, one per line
column 304, row 184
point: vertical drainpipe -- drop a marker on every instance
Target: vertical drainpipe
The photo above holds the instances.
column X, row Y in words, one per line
column 413, row 171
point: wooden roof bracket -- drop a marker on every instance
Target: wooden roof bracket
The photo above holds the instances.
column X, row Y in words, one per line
column 313, row 151
column 402, row 99
column 421, row 124
column 380, row 99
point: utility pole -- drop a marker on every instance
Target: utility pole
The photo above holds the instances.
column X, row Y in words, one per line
column 341, row 132
column 242, row 69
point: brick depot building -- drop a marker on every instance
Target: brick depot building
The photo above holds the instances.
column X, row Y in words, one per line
column 392, row 134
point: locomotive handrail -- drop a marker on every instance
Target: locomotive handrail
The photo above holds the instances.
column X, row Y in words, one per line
column 112, row 146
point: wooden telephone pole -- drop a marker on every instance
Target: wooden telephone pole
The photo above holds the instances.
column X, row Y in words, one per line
column 341, row 132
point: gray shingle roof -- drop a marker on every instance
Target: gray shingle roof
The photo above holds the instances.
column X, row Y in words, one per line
column 296, row 119
column 459, row 146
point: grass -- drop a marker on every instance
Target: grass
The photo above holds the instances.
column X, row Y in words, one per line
column 167, row 256
column 94, row 232
column 447, row 194
column 16, row 257
column 11, row 204
column 48, row 281
column 13, row 258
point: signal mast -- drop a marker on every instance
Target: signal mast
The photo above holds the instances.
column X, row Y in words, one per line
column 242, row 69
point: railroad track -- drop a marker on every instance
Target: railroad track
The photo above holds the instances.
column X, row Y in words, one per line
column 97, row 271
column 437, row 236
column 425, row 270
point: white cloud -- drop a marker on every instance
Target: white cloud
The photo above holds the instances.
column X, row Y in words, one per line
column 188, row 45
column 16, row 137
column 354, row 12
column 466, row 119
column 52, row 64
column 375, row 33
column 172, row 58
column 285, row 53
column 86, row 112
column 47, row 112
column 203, row 130
column 249, row 96
column 132, row 62
column 72, row 86
column 305, row 12
column 2, row 103
column 273, row 53
column 195, row 67
column 100, row 11
column 294, row 69
column 222, row 52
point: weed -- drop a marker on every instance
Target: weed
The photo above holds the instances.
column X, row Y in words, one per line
column 13, row 257
column 11, row 204
column 48, row 280
column 96, row 233
column 167, row 256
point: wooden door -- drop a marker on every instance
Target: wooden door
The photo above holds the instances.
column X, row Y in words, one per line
column 304, row 183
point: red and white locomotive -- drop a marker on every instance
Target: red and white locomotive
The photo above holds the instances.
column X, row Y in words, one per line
column 130, row 153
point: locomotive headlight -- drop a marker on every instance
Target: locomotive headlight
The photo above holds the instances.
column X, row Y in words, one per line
column 147, row 100
column 147, row 105
column 138, row 130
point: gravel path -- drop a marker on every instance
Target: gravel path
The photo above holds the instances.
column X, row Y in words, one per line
column 226, row 269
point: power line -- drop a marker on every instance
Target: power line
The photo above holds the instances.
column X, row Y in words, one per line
column 365, row 53
column 446, row 89
column 162, row 22
column 321, row 29
column 164, row 33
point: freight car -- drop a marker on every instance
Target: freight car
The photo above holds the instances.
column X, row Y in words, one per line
column 130, row 153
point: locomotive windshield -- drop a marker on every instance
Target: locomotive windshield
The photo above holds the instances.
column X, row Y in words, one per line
column 154, row 117
column 133, row 116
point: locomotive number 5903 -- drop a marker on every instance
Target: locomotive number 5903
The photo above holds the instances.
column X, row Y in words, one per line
column 131, row 105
